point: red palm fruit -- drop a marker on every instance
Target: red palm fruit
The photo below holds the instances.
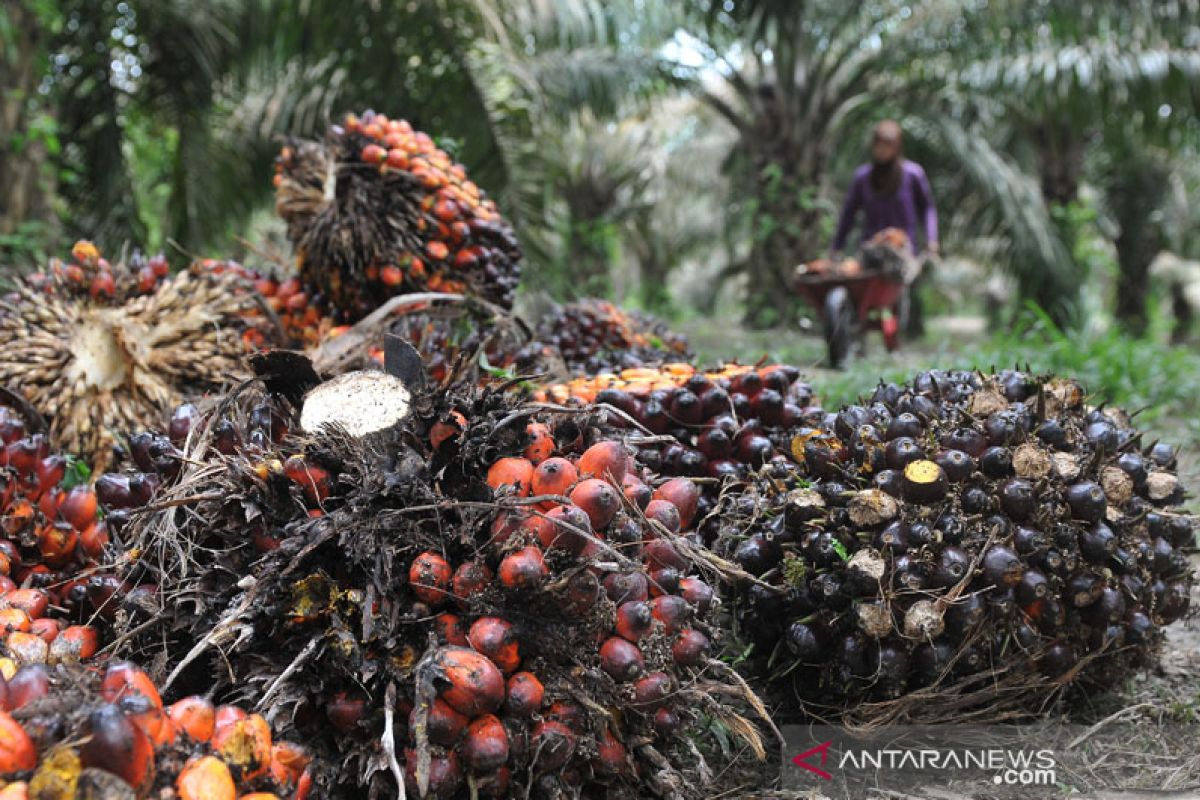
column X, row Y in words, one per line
column 598, row 499
column 17, row 752
column 470, row 579
column 14, row 619
column 505, row 525
column 634, row 620
column 666, row 514
column 624, row 587
column 637, row 492
column 621, row 659
column 345, row 711
column 74, row 644
column 245, row 746
column 698, row 593
column 47, row 629
column 523, row 569
column 672, row 611
column 18, row 515
column 554, row 744
column 582, row 592
column 611, row 757
column 117, row 745
column 554, row 476
column 664, row 581
column 129, row 687
column 50, row 472
column 449, row 629
column 205, row 778
column 78, row 507
column 607, row 460
column 33, row 602
column 445, row 429
column 289, row 764
column 93, row 540
column 48, row 503
column 690, row 648
column 227, row 715
column 485, row 747
column 515, row 472
column 652, row 690
column 525, row 695
column 445, row 775
column 443, row 725
column 661, row 554
column 541, row 445
column 195, row 717
column 494, row 637
column 315, row 481
column 666, row 721
column 29, row 684
column 57, row 543
column 430, row 577
column 540, row 528
column 474, row 685
column 570, row 529
column 684, row 495
column 374, row 154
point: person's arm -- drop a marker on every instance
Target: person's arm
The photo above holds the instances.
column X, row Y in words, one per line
column 925, row 198
column 849, row 212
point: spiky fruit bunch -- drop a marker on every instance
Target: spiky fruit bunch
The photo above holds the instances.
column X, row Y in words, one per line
column 303, row 323
column 74, row 732
column 378, row 209
column 724, row 423
column 984, row 539
column 102, row 348
column 484, row 600
column 591, row 336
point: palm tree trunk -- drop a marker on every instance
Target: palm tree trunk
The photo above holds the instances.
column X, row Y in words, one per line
column 24, row 189
column 1136, row 192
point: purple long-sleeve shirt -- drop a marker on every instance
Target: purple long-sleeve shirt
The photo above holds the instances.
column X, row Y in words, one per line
column 913, row 201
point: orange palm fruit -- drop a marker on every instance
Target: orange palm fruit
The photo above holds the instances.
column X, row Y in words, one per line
column 494, row 637
column 598, row 499
column 430, row 577
column 541, row 445
column 485, row 746
column 14, row 619
column 75, row 643
column 607, row 460
column 525, row 695
column 194, row 717
column 17, row 752
column 516, row 472
column 474, row 684
column 523, row 569
column 450, row 629
column 684, row 495
column 206, row 778
column 33, row 602
column 245, row 746
column 554, row 476
column 470, row 579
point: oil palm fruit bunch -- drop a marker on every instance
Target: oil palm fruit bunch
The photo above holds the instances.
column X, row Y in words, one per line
column 724, row 424
column 100, row 348
column 302, row 322
column 377, row 210
column 76, row 732
column 592, row 336
column 471, row 596
column 964, row 541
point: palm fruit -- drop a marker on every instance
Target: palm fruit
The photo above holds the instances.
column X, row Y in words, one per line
column 377, row 209
column 102, row 348
column 407, row 607
column 592, row 336
column 303, row 324
column 985, row 539
column 720, row 425
column 73, row 732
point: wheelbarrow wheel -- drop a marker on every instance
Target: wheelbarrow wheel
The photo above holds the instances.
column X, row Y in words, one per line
column 839, row 326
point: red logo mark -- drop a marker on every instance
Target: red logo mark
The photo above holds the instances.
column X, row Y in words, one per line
column 802, row 759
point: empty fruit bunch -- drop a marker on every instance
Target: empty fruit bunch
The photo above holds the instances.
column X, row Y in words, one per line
column 484, row 600
column 72, row 732
column 989, row 540
column 377, row 210
column 591, row 336
column 102, row 348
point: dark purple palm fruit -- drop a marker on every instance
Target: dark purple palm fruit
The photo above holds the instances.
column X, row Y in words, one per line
column 1086, row 501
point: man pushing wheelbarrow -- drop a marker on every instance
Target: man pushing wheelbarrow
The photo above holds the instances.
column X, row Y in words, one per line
column 894, row 196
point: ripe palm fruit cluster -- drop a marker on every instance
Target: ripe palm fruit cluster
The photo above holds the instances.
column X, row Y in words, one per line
column 378, row 209
column 100, row 348
column 963, row 541
column 75, row 732
column 593, row 336
column 481, row 601
column 303, row 323
column 723, row 424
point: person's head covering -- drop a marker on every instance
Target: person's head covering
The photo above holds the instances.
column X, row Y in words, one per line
column 886, row 176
